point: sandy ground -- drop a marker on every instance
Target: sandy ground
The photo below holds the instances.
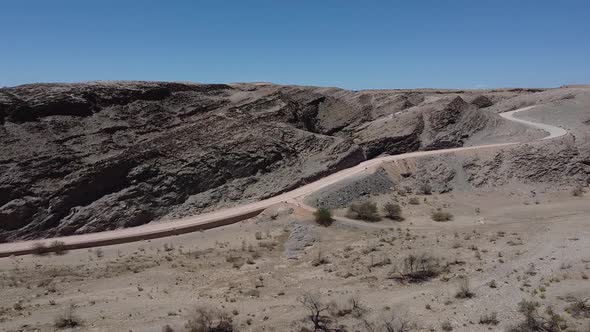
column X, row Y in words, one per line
column 534, row 247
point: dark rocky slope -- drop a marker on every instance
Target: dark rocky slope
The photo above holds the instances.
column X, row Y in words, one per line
column 78, row 158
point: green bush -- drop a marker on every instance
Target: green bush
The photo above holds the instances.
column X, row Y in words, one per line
column 323, row 217
column 393, row 211
column 366, row 211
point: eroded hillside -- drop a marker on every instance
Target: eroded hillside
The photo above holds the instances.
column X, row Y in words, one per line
column 78, row 158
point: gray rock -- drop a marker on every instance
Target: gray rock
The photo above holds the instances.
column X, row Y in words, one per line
column 301, row 236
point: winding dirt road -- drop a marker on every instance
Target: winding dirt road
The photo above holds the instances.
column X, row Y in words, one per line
column 232, row 215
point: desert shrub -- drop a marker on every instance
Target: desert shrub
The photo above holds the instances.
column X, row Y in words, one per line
column 167, row 328
column 578, row 191
column 441, row 216
column 320, row 260
column 533, row 320
column 414, row 201
column 417, row 268
column 58, row 247
column 425, row 189
column 364, row 211
column 351, row 307
column 393, row 323
column 464, row 291
column 209, row 320
column 323, row 217
column 67, row 319
column 489, row 319
column 40, row 249
column 579, row 307
column 446, row 326
column 393, row 211
column 318, row 312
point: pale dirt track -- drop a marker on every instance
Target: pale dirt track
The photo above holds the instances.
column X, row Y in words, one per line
column 231, row 215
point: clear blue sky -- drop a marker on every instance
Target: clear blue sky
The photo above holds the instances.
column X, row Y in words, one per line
column 350, row 44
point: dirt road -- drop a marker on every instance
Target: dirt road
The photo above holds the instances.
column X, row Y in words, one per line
column 232, row 215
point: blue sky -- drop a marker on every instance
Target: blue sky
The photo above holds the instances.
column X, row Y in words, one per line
column 350, row 44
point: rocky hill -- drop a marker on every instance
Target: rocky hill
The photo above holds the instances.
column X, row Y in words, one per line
column 87, row 157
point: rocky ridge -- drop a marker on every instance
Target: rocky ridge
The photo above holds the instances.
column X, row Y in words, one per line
column 88, row 157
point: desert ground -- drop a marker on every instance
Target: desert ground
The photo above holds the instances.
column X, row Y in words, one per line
column 530, row 247
column 516, row 237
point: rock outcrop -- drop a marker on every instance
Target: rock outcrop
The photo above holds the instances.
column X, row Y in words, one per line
column 78, row 158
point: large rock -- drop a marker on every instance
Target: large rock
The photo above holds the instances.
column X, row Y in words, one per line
column 16, row 213
column 482, row 101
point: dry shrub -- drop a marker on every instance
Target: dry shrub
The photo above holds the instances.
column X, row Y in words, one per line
column 446, row 326
column 464, row 290
column 441, row 216
column 417, row 268
column 209, row 320
column 67, row 319
column 414, row 201
column 579, row 307
column 318, row 312
column 425, row 189
column 578, row 191
column 58, row 248
column 40, row 249
column 489, row 319
column 392, row 323
column 366, row 211
column 393, row 211
column 351, row 307
column 167, row 328
column 533, row 320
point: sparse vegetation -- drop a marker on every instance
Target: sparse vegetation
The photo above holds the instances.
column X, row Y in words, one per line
column 533, row 320
column 393, row 211
column 414, row 201
column 464, row 291
column 320, row 260
column 579, row 307
column 441, row 216
column 67, row 319
column 167, row 328
column 578, row 191
column 425, row 189
column 40, row 249
column 366, row 211
column 209, row 320
column 352, row 307
column 58, row 247
column 489, row 319
column 317, row 312
column 393, row 323
column 323, row 217
column 417, row 268
column 446, row 326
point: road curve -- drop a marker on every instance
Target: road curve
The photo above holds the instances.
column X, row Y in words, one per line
column 235, row 214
